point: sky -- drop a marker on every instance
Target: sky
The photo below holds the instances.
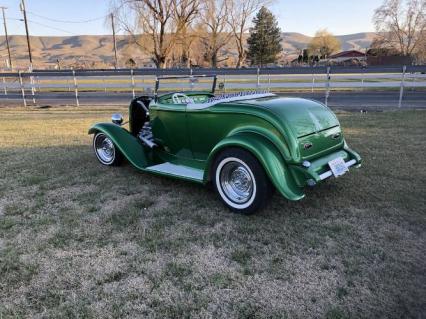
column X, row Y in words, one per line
column 303, row 16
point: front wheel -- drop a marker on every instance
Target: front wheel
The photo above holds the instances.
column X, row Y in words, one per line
column 106, row 151
column 241, row 181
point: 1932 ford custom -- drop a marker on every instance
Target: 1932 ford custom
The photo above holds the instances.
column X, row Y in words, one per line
column 246, row 144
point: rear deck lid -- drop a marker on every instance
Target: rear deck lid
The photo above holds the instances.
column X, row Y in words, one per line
column 302, row 116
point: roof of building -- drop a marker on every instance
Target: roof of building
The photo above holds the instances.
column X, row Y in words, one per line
column 348, row 54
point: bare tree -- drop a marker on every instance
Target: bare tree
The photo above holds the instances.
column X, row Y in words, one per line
column 216, row 34
column 421, row 50
column 185, row 12
column 401, row 24
column 197, row 44
column 151, row 25
column 157, row 25
column 240, row 13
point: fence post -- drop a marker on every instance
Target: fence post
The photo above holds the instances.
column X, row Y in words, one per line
column 132, row 77
column 4, row 86
column 224, row 83
column 413, row 80
column 313, row 82
column 38, row 84
column 75, row 88
column 258, row 78
column 191, row 80
column 269, row 82
column 32, row 88
column 143, row 83
column 401, row 90
column 327, row 85
column 22, row 88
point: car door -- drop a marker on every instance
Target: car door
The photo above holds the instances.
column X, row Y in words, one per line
column 169, row 128
column 205, row 128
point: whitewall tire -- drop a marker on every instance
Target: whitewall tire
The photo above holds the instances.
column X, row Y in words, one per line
column 240, row 181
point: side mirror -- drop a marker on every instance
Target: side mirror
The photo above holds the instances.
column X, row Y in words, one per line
column 117, row 118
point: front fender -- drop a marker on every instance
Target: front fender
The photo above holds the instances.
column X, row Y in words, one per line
column 129, row 145
column 269, row 157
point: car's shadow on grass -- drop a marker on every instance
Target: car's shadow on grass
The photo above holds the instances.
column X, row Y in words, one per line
column 68, row 166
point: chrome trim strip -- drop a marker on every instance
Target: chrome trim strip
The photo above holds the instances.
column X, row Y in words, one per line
column 234, row 97
column 330, row 173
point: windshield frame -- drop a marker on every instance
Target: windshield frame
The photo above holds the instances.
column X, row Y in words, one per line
column 190, row 77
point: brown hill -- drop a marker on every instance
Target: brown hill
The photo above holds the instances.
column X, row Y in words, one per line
column 294, row 42
column 97, row 50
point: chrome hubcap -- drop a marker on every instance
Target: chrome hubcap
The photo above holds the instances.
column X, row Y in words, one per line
column 105, row 148
column 236, row 182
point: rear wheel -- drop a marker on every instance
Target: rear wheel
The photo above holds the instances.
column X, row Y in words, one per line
column 106, row 151
column 241, row 181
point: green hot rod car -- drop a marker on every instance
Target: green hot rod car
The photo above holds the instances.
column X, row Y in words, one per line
column 246, row 144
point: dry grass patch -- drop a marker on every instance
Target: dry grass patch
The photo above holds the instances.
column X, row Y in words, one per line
column 81, row 240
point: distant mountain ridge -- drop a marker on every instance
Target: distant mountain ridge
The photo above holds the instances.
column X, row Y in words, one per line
column 98, row 49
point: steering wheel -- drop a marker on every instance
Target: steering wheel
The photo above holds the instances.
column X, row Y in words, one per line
column 180, row 98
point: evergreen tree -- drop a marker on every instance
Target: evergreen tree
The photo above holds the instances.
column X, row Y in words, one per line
column 264, row 41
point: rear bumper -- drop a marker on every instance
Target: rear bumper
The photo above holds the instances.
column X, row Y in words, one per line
column 319, row 169
column 329, row 173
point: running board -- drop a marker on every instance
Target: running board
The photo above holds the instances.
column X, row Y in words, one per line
column 177, row 171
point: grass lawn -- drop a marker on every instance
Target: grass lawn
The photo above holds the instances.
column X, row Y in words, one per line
column 78, row 239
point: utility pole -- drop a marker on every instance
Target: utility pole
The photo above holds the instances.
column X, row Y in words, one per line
column 28, row 34
column 7, row 37
column 114, row 40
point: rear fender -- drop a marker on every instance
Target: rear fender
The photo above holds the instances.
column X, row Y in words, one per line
column 268, row 156
column 129, row 145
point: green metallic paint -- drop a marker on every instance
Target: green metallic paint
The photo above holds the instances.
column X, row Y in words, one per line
column 136, row 153
column 303, row 116
column 190, row 162
column 241, row 116
column 269, row 157
column 275, row 130
column 302, row 121
column 207, row 128
column 128, row 144
column 322, row 143
column 319, row 166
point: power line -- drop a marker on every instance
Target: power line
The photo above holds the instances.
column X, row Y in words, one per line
column 42, row 24
column 67, row 21
column 50, row 27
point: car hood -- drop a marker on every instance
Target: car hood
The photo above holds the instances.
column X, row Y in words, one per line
column 302, row 116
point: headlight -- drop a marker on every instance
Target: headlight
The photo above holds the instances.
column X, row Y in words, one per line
column 117, row 118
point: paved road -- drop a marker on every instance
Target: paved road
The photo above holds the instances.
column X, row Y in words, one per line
column 377, row 100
